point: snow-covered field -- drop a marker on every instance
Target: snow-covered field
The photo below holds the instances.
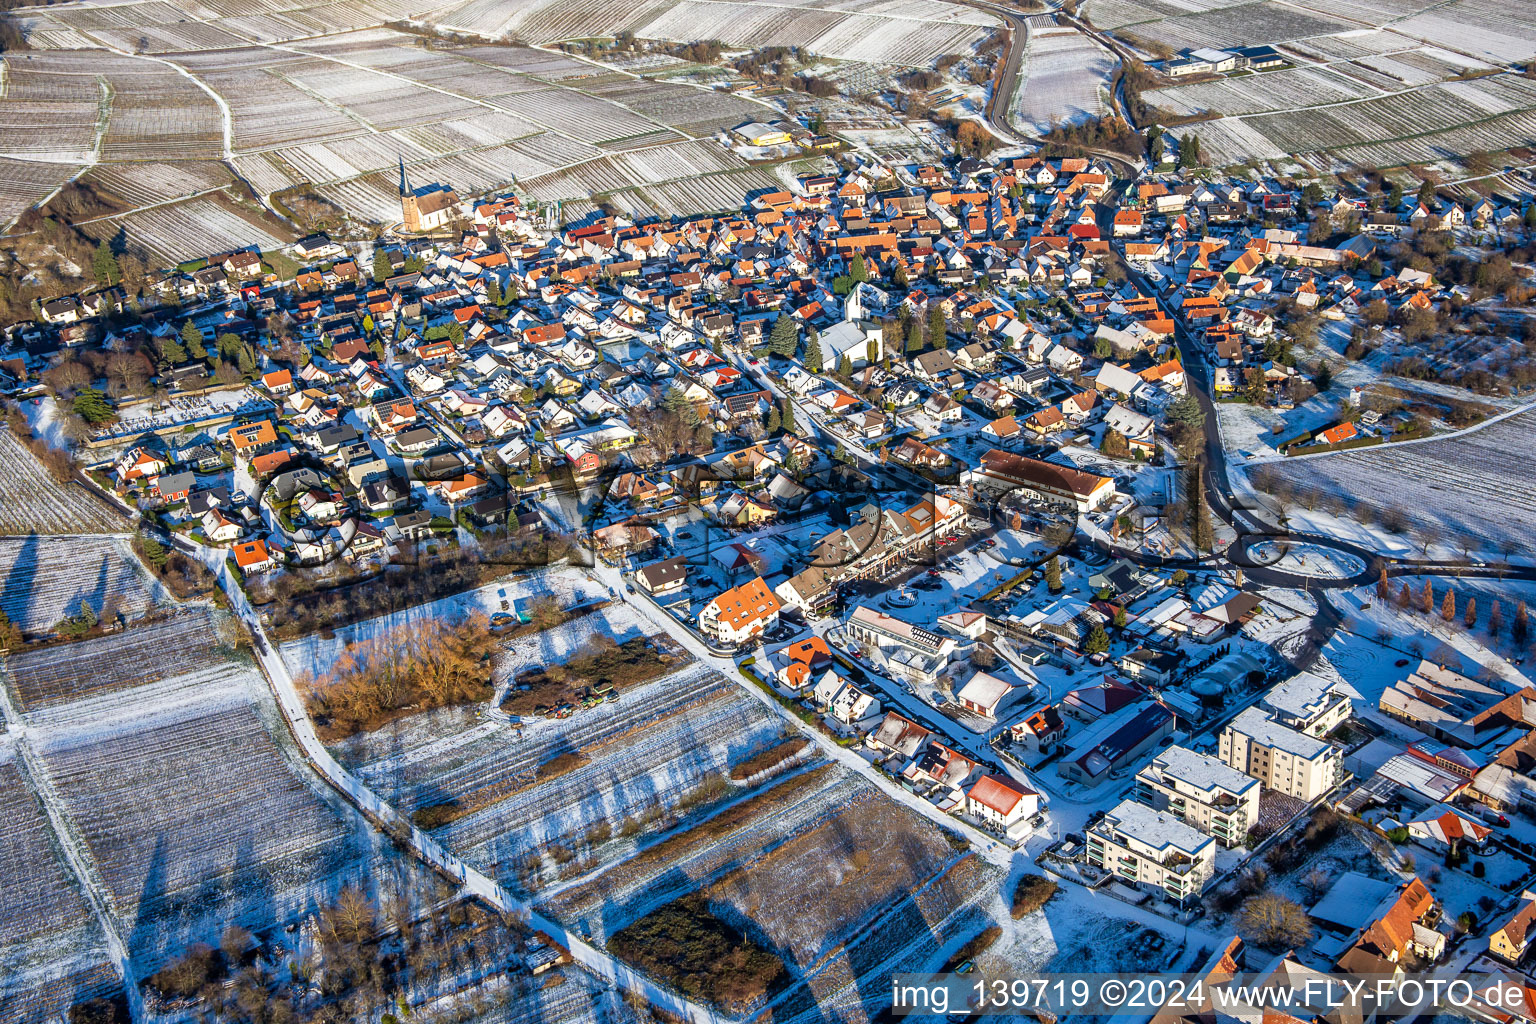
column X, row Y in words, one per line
column 569, row 588
column 1474, row 485
column 1066, row 79
column 180, row 787
column 44, row 579
column 51, row 952
column 31, row 501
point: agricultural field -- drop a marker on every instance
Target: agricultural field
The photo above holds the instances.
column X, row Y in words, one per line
column 1428, row 123
column 44, row 579
column 52, row 953
column 1065, row 79
column 1415, row 85
column 1450, row 480
column 340, row 111
column 178, row 783
column 33, row 502
column 909, row 32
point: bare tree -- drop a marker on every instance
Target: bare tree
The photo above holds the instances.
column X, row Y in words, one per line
column 1273, row 921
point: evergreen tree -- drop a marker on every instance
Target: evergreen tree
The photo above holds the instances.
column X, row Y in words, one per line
column 104, row 266
column 382, row 268
column 1448, row 606
column 1427, row 193
column 1120, row 617
column 857, row 270
column 718, row 348
column 775, row 420
column 192, row 338
column 813, row 352
column 91, row 406
column 1395, row 196
column 246, row 360
column 937, row 338
column 172, row 353
column 1199, row 511
column 535, row 464
column 1053, row 574
column 1469, row 618
column 871, row 351
column 1383, row 588
column 784, row 337
column 788, row 417
column 1427, row 597
column 493, row 290
column 87, row 617
column 1098, row 640
column 845, row 366
column 10, row 634
column 1324, row 379
column 914, row 337
column 1114, row 444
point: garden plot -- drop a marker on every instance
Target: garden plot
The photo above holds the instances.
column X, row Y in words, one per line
column 44, row 579
column 33, row 502
column 811, row 892
column 51, row 952
column 569, row 588
column 1066, row 76
column 1445, row 484
column 194, row 817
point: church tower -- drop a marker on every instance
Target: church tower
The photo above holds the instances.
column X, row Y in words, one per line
column 410, row 212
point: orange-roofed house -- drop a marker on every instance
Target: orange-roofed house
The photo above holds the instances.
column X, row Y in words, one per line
column 249, row 438
column 263, row 466
column 1002, row 802
column 253, row 556
column 278, row 382
column 800, row 662
column 741, row 613
column 1339, row 434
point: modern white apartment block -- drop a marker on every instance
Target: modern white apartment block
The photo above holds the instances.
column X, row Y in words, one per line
column 1201, row 791
column 1154, row 850
column 1311, row 704
column 1281, row 758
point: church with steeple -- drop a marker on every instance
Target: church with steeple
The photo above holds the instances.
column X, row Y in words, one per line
column 429, row 208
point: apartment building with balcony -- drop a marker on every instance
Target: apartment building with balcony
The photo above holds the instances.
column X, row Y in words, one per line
column 1153, row 850
column 1279, row 757
column 1202, row 792
column 1310, row 704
